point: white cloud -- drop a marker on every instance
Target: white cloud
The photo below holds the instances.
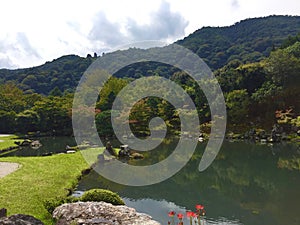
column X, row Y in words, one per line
column 16, row 46
column 6, row 62
column 33, row 32
column 105, row 31
column 235, row 4
column 164, row 25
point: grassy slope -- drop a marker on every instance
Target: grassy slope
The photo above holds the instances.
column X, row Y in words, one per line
column 38, row 179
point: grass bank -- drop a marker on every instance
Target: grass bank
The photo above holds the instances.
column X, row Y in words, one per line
column 7, row 141
column 40, row 178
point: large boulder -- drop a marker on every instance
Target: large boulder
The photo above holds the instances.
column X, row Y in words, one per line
column 100, row 213
column 20, row 219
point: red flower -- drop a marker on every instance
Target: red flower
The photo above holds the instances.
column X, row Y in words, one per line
column 199, row 207
column 190, row 214
column 180, row 216
column 171, row 214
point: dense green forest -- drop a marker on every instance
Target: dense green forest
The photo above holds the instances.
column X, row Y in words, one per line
column 249, row 40
column 63, row 73
column 256, row 61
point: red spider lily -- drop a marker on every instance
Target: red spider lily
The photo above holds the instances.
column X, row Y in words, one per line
column 171, row 214
column 180, row 216
column 191, row 214
column 199, row 207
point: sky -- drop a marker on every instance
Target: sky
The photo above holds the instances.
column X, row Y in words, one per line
column 33, row 31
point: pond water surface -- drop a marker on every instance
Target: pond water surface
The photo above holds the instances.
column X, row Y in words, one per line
column 49, row 145
column 244, row 185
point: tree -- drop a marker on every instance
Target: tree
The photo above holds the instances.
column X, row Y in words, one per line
column 54, row 113
column 28, row 120
column 103, row 123
column 11, row 98
column 283, row 66
column 55, row 92
column 237, row 102
column 109, row 92
column 7, row 121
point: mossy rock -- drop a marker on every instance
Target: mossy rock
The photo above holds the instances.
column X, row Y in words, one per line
column 98, row 195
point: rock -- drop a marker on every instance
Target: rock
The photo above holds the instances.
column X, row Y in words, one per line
column 100, row 213
column 74, row 148
column 36, row 144
column 25, row 142
column 71, row 152
column 136, row 155
column 20, row 219
column 47, row 154
column 17, row 142
column 124, row 151
column 109, row 148
column 3, row 212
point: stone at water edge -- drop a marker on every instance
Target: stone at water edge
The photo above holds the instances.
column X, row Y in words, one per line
column 136, row 155
column 92, row 213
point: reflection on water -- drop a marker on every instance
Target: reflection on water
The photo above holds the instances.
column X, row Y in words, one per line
column 161, row 208
column 244, row 185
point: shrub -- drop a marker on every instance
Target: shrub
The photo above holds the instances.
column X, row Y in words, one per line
column 51, row 204
column 97, row 195
column 93, row 195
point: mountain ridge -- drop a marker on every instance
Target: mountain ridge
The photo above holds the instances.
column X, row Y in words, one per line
column 257, row 35
column 248, row 41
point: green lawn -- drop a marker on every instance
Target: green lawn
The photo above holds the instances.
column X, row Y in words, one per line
column 38, row 179
column 7, row 141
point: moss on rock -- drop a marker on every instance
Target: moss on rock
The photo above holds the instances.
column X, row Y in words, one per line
column 98, row 195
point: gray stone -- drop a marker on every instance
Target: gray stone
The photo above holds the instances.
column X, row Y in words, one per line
column 3, row 212
column 100, row 213
column 20, row 219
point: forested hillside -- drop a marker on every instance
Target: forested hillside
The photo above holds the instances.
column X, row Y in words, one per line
column 259, row 91
column 63, row 73
column 247, row 41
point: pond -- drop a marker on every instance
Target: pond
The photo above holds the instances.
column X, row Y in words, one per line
column 246, row 184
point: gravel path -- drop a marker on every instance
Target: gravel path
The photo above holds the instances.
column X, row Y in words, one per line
column 7, row 168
